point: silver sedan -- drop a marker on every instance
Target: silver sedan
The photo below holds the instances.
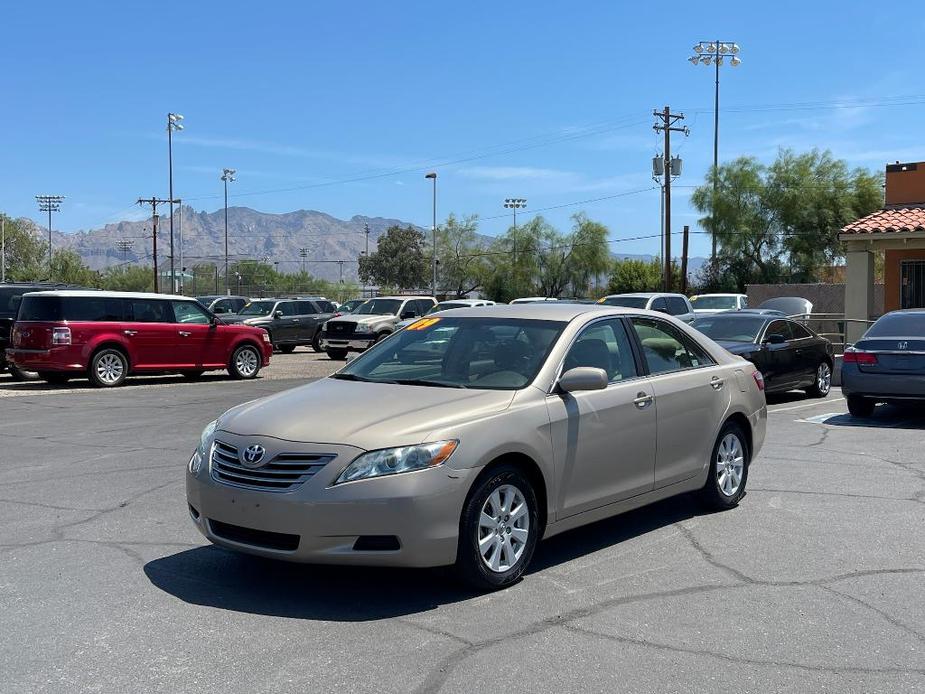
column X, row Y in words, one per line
column 470, row 435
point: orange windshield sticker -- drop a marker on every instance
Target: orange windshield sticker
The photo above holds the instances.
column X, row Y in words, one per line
column 423, row 324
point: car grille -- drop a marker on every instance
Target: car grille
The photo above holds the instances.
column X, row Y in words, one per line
column 256, row 538
column 283, row 472
column 340, row 329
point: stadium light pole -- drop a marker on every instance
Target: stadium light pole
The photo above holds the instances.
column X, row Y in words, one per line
column 715, row 53
column 227, row 176
column 515, row 204
column 173, row 123
column 433, row 176
column 49, row 204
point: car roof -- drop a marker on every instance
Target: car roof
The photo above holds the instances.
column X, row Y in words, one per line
column 402, row 298
column 739, row 315
column 547, row 310
column 700, row 296
column 645, row 295
column 95, row 293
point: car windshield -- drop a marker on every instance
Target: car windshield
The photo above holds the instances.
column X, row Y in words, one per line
column 379, row 307
column 720, row 303
column 730, row 328
column 899, row 325
column 447, row 305
column 484, row 353
column 626, row 301
column 258, row 308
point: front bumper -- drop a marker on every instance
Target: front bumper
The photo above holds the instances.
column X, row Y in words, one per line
column 323, row 522
column 354, row 343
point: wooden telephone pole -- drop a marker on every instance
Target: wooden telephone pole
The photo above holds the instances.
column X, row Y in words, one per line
column 665, row 122
column 154, row 202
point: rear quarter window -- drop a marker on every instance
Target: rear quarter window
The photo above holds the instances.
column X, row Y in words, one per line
column 40, row 308
column 677, row 306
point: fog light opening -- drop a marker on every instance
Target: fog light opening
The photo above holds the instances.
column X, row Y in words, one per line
column 376, row 543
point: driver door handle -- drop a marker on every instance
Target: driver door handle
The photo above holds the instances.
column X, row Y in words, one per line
column 129, row 333
column 185, row 333
column 716, row 383
column 643, row 400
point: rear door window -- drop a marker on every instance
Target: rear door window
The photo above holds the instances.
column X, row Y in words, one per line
column 799, row 331
column 327, row 307
column 659, row 304
column 677, row 306
column 307, row 308
column 667, row 349
column 779, row 327
column 150, row 311
column 289, row 308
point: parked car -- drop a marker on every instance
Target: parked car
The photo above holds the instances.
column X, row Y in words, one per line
column 705, row 304
column 533, row 299
column 788, row 354
column 375, row 320
column 789, row 305
column 10, row 295
column 887, row 364
column 446, row 306
column 675, row 305
column 219, row 304
column 290, row 322
column 107, row 336
column 527, row 422
column 760, row 311
column 350, row 306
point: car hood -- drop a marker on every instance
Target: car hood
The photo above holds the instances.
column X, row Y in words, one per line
column 365, row 319
column 742, row 348
column 233, row 318
column 364, row 415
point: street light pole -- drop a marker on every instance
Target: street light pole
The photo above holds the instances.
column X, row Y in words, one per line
column 173, row 123
column 433, row 176
column 707, row 52
column 227, row 175
column 49, row 204
column 515, row 204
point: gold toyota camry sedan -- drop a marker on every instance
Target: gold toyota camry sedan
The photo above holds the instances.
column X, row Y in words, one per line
column 474, row 433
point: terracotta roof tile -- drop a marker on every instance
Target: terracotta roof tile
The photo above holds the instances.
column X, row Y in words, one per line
column 892, row 220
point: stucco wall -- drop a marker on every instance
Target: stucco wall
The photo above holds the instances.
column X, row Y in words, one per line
column 826, row 298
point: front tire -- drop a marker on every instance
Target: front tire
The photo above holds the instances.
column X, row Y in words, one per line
column 498, row 530
column 859, row 406
column 337, row 354
column 316, row 342
column 286, row 349
column 725, row 485
column 245, row 363
column 108, row 368
column 823, row 381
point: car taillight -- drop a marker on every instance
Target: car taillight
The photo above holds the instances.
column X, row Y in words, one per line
column 61, row 336
column 860, row 357
column 759, row 379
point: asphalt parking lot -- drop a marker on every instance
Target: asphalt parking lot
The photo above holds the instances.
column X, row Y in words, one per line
column 816, row 582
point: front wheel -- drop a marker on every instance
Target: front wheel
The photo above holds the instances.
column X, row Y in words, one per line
column 316, row 342
column 725, row 485
column 860, row 406
column 245, row 362
column 823, row 381
column 498, row 530
column 108, row 368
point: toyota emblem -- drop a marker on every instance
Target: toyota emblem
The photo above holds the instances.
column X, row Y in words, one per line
column 252, row 455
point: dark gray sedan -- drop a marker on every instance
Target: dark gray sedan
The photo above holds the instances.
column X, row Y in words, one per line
column 887, row 364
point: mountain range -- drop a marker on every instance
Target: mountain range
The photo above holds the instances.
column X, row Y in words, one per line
column 331, row 245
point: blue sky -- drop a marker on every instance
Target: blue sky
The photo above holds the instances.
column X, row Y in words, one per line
column 341, row 107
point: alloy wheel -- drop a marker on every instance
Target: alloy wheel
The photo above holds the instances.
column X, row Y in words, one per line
column 503, row 529
column 730, row 463
column 109, row 368
column 823, row 378
column 246, row 362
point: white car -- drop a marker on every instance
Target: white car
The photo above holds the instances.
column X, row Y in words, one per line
column 675, row 305
column 707, row 304
column 533, row 299
column 447, row 305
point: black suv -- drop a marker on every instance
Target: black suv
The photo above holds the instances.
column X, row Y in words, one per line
column 10, row 296
column 290, row 322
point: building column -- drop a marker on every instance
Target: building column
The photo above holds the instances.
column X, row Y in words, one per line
column 859, row 292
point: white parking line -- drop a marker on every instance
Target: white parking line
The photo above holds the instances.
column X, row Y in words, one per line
column 805, row 405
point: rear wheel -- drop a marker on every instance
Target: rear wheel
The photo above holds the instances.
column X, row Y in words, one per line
column 245, row 362
column 725, row 485
column 498, row 530
column 54, row 377
column 108, row 368
column 823, row 382
column 287, row 349
column 859, row 406
column 337, row 354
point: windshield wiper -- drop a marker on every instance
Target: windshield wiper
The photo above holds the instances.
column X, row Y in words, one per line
column 425, row 382
column 351, row 377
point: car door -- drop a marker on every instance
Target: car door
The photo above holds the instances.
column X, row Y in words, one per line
column 151, row 334
column 284, row 326
column 783, row 363
column 691, row 394
column 305, row 322
column 603, row 440
column 810, row 351
column 198, row 342
column 323, row 312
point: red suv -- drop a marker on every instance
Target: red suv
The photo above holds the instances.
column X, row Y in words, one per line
column 108, row 335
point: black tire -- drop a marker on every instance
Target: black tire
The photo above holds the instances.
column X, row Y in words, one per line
column 713, row 494
column 287, row 349
column 316, row 342
column 470, row 565
column 859, row 406
column 337, row 354
column 380, row 337
column 108, row 368
column 22, row 375
column 245, row 362
column 54, row 377
column 822, row 382
column 192, row 375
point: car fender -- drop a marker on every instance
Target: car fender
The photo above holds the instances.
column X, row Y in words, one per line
column 112, row 337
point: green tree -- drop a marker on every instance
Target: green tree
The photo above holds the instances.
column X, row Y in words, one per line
column 25, row 252
column 635, row 275
column 462, row 259
column 128, row 278
column 66, row 266
column 397, row 261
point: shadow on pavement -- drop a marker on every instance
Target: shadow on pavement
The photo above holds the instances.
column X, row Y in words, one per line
column 81, row 383
column 884, row 417
column 215, row 577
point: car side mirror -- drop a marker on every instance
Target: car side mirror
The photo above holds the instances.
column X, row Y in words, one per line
column 278, row 314
column 583, row 378
column 775, row 339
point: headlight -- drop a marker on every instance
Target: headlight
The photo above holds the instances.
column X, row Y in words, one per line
column 202, row 451
column 392, row 461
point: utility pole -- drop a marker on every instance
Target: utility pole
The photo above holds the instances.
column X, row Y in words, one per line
column 366, row 227
column 180, row 242
column 154, row 202
column 666, row 123
column 2, row 249
column 684, row 241
column 433, row 176
column 49, row 204
column 303, row 252
column 227, row 176
column 173, row 123
column 340, row 263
